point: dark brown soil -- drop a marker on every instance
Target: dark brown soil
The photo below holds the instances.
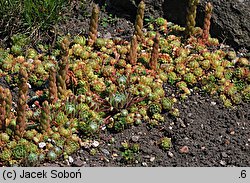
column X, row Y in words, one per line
column 205, row 134
column 213, row 134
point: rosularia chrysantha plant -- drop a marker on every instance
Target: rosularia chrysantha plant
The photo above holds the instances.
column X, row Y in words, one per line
column 85, row 85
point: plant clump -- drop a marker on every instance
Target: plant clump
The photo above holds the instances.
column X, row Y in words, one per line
column 165, row 143
column 76, row 90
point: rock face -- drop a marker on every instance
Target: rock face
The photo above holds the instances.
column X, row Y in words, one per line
column 230, row 19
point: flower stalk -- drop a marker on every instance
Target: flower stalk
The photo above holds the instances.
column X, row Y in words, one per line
column 45, row 117
column 191, row 16
column 52, row 86
column 207, row 22
column 155, row 53
column 93, row 25
column 63, row 68
column 133, row 51
column 139, row 21
column 22, row 102
column 5, row 107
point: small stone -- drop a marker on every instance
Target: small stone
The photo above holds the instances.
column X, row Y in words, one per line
column 136, row 161
column 41, row 145
column 144, row 164
column 232, row 132
column 202, row 126
column 170, row 154
column 184, row 149
column 181, row 122
column 67, row 163
column 152, row 159
column 135, row 138
column 81, row 151
column 224, row 155
column 222, row 162
column 213, row 103
column 106, row 159
column 227, row 142
column 78, row 163
column 183, row 125
column 107, row 35
column 71, row 160
column 105, row 151
column 95, row 143
column 85, row 144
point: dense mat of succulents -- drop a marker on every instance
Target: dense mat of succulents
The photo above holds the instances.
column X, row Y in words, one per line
column 87, row 84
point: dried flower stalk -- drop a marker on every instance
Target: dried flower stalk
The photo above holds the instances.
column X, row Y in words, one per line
column 155, row 53
column 2, row 108
column 191, row 16
column 133, row 51
column 63, row 68
column 45, row 117
column 52, row 86
column 8, row 100
column 93, row 25
column 8, row 104
column 21, row 105
column 139, row 21
column 207, row 22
